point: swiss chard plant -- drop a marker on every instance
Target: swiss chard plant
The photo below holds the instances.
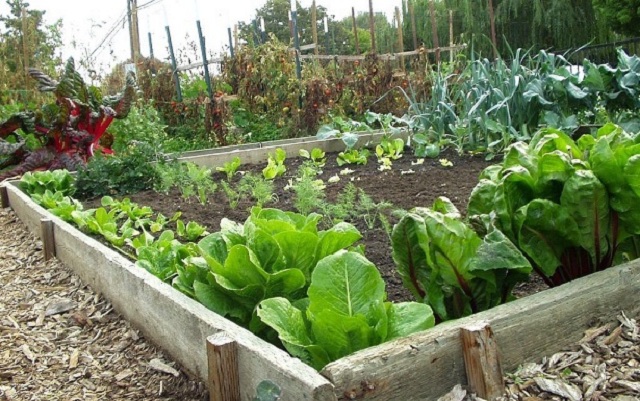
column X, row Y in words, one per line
column 346, row 311
column 272, row 254
column 447, row 265
column 571, row 207
column 68, row 131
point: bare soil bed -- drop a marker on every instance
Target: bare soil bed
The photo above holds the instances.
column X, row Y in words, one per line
column 406, row 185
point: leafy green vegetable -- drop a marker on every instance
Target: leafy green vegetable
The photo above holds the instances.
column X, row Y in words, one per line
column 36, row 183
column 346, row 311
column 272, row 255
column 275, row 164
column 231, row 167
column 191, row 231
column 447, row 265
column 567, row 205
column 353, row 156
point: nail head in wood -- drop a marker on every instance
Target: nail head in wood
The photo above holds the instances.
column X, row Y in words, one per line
column 222, row 356
column 4, row 197
column 48, row 242
column 482, row 361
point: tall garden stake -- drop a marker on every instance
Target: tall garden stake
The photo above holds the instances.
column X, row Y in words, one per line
column 174, row 65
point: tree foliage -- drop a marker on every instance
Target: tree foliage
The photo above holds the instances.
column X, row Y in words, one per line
column 26, row 43
column 622, row 15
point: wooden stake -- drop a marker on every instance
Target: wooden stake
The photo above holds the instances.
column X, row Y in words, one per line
column 314, row 26
column 451, row 35
column 400, row 38
column 355, row 29
column 4, row 197
column 222, row 355
column 48, row 242
column 492, row 20
column 412, row 15
column 434, row 30
column 372, row 28
column 482, row 361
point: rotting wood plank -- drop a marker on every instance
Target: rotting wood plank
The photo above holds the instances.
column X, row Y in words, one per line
column 222, row 356
column 482, row 361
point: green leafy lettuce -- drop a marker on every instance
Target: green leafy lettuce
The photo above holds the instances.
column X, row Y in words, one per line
column 346, row 311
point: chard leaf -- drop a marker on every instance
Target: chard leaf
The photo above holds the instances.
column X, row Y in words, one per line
column 481, row 200
column 632, row 173
column 408, row 317
column 409, row 239
column 587, row 201
column 545, row 229
column 497, row 252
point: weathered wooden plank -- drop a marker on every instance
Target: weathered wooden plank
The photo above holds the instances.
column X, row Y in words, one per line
column 427, row 365
column 260, row 155
column 482, row 360
column 47, row 237
column 222, row 356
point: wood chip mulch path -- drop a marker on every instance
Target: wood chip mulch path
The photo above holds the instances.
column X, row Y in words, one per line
column 59, row 340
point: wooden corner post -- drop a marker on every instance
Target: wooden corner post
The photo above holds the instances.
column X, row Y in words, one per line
column 48, row 242
column 482, row 361
column 4, row 196
column 222, row 357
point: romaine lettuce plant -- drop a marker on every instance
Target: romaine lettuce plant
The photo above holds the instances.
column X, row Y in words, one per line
column 346, row 311
column 273, row 254
column 447, row 265
column 35, row 183
column 571, row 207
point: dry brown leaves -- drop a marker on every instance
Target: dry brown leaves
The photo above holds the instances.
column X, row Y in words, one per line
column 604, row 365
column 59, row 340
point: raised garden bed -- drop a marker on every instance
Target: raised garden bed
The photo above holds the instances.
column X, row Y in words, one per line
column 422, row 366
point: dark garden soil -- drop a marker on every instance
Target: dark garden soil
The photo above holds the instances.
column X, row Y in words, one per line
column 405, row 186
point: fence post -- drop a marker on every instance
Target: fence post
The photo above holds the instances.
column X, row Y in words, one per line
column 372, row 28
column 150, row 45
column 355, row 29
column 174, row 65
column 230, row 43
column 434, row 30
column 205, row 64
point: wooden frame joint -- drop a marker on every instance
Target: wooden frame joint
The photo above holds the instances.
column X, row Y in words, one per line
column 482, row 361
column 48, row 241
column 222, row 357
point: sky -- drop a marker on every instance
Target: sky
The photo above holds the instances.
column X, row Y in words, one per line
column 98, row 28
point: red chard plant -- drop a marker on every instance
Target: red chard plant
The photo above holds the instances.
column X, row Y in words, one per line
column 68, row 131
